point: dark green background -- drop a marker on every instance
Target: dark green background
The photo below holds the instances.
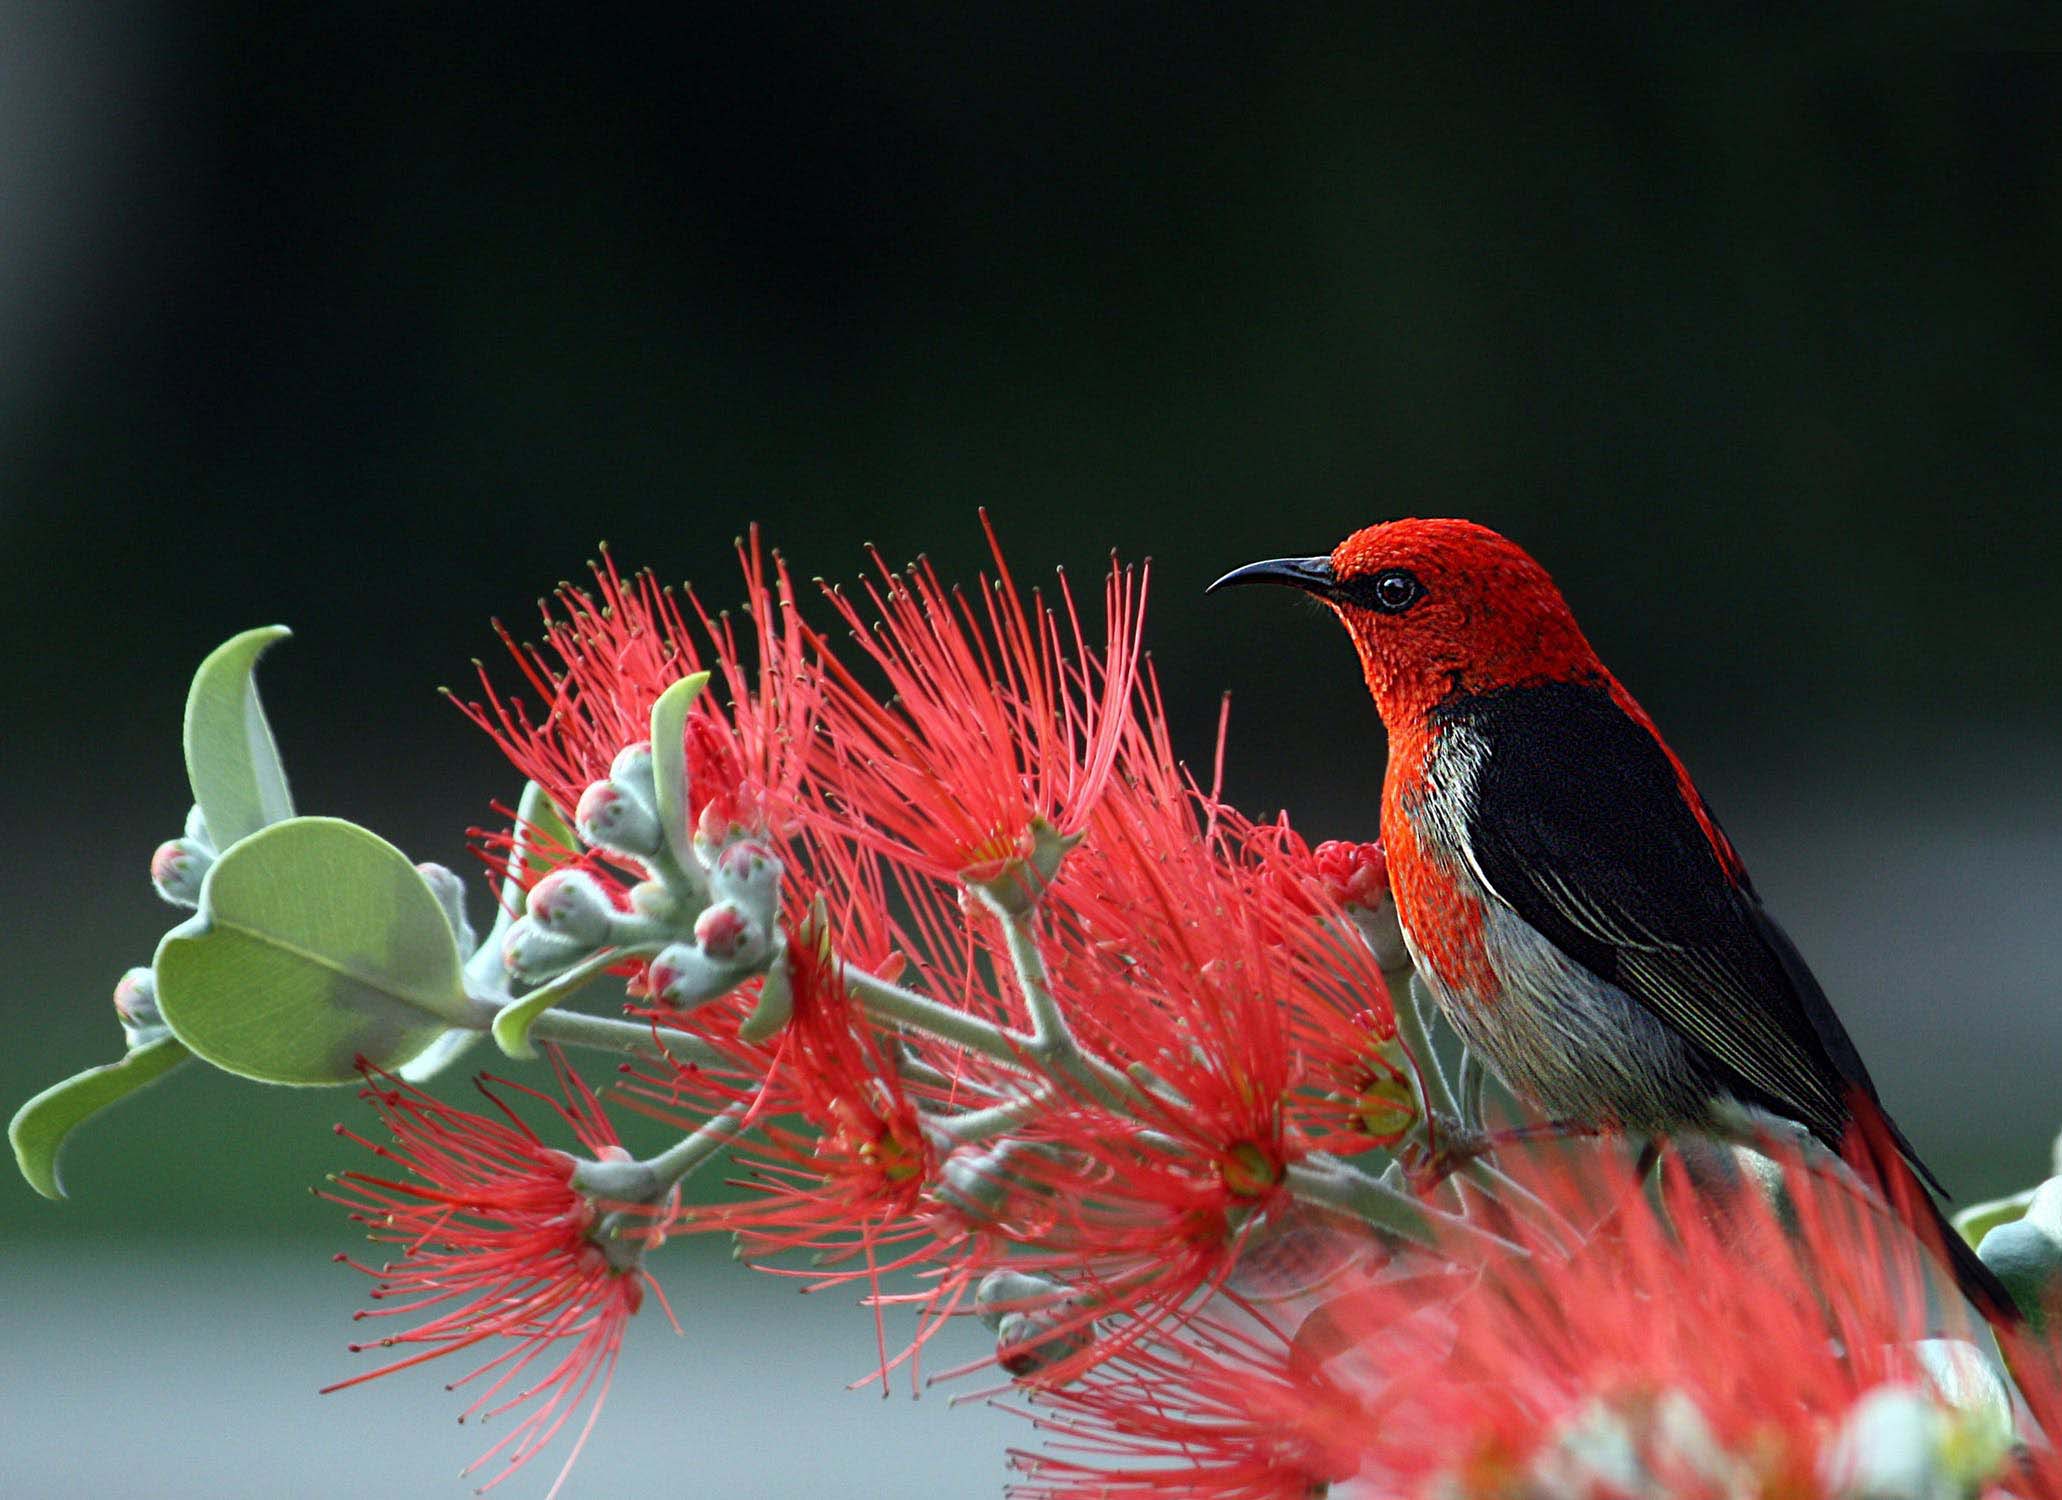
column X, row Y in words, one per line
column 375, row 323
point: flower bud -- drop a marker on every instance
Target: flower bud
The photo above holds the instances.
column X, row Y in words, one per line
column 653, row 899
column 136, row 1004
column 1031, row 1343
column 1005, row 1292
column 532, row 954
column 1354, row 874
column 572, row 904
column 1357, row 877
column 728, row 813
column 1897, row 1444
column 197, row 828
column 177, row 869
column 747, row 874
column 613, row 816
column 633, row 768
column 450, row 893
column 723, row 930
column 685, row 977
column 976, row 1182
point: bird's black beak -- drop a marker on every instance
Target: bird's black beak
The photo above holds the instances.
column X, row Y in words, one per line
column 1313, row 575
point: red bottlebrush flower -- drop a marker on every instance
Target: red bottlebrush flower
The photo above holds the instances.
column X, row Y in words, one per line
column 497, row 1250
column 1212, row 1411
column 998, row 716
column 864, row 1159
column 1716, row 1353
column 1169, row 973
column 1721, row 1347
column 1356, row 1087
column 850, row 1183
column 610, row 652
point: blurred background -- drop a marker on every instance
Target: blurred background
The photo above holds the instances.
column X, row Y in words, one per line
column 375, row 320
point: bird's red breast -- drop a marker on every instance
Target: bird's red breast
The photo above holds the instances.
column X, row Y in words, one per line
column 1442, row 913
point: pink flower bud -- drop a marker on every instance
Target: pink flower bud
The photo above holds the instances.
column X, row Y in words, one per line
column 684, row 977
column 614, row 817
column 723, row 930
column 572, row 904
column 136, row 1002
column 177, row 869
column 532, row 953
column 747, row 874
column 1031, row 1343
column 1355, row 874
column 633, row 766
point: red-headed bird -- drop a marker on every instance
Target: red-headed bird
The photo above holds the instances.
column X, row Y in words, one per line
column 1573, row 907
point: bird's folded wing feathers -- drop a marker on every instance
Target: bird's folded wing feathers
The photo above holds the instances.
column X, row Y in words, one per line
column 1580, row 826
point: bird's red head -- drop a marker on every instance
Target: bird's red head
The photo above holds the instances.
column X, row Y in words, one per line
column 1438, row 607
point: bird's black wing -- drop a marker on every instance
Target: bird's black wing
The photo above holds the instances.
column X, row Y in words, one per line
column 1579, row 824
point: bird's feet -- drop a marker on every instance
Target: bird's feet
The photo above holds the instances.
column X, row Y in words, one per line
column 1454, row 1146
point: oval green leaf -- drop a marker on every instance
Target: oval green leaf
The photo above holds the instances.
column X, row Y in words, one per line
column 39, row 1127
column 669, row 764
column 316, row 943
column 230, row 757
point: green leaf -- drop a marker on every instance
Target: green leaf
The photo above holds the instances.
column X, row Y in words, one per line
column 230, row 758
column 316, row 942
column 39, row 1127
column 512, row 1025
column 669, row 764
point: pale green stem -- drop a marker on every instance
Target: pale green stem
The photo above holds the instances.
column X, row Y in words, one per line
column 1416, row 1036
column 1349, row 1190
column 572, row 1028
column 677, row 1162
column 1474, row 1078
column 648, row 1181
column 890, row 1002
column 977, row 1125
column 1517, row 1200
column 1049, row 1031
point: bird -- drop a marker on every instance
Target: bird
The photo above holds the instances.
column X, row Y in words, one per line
column 1571, row 903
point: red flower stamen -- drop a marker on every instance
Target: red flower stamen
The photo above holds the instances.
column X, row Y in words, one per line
column 497, row 1247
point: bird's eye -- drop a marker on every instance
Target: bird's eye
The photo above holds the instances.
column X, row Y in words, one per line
column 1395, row 590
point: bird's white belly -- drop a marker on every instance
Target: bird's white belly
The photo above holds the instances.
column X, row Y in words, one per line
column 1563, row 1039
column 1570, row 1044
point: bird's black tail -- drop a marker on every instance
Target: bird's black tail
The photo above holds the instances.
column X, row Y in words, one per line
column 1977, row 1281
column 1878, row 1151
column 2035, row 1359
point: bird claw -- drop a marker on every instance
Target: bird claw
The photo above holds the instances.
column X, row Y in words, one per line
column 1448, row 1148
column 1453, row 1147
